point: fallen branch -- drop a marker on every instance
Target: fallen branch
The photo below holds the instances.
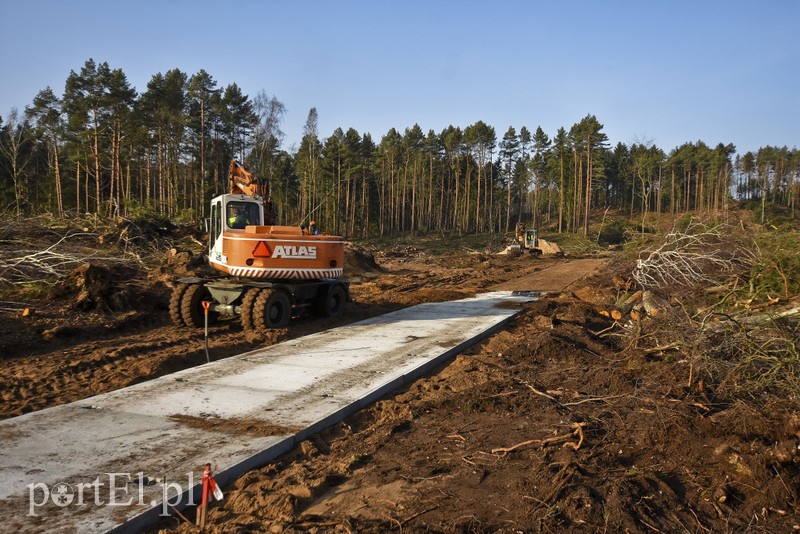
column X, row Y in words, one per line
column 768, row 317
column 578, row 431
column 180, row 514
column 770, row 302
column 695, row 404
column 785, row 278
column 531, row 442
column 602, row 332
column 576, row 446
column 753, row 320
column 542, row 393
column 670, row 346
column 593, row 399
column 406, row 520
column 651, row 527
column 545, row 395
column 311, row 524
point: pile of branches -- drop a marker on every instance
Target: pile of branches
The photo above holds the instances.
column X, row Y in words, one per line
column 744, row 344
column 756, row 349
column 147, row 239
column 142, row 234
column 697, row 255
column 22, row 263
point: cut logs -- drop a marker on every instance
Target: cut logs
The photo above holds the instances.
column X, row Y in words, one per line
column 635, row 305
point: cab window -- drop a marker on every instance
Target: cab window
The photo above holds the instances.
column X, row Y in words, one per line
column 240, row 214
column 216, row 223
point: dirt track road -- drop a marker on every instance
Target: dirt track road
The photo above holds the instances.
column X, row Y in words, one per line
column 556, row 277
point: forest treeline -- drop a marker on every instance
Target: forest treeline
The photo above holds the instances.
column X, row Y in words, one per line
column 102, row 148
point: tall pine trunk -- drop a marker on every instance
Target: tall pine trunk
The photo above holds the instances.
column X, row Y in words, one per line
column 57, row 171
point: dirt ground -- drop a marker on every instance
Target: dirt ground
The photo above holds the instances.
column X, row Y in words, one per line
column 565, row 420
column 80, row 343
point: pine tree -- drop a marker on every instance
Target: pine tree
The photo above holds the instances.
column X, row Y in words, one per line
column 201, row 90
column 509, row 148
column 48, row 121
column 14, row 141
column 538, row 165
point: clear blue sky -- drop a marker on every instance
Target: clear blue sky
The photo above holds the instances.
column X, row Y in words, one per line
column 661, row 71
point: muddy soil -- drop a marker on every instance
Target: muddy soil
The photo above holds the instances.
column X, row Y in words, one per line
column 548, row 426
column 103, row 328
column 564, row 421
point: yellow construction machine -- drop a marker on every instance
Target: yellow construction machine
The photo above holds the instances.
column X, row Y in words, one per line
column 526, row 241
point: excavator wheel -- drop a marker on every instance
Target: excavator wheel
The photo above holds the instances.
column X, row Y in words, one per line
column 175, row 303
column 272, row 309
column 248, row 302
column 192, row 306
column 330, row 303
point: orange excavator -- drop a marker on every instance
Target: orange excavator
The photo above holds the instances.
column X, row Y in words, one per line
column 267, row 272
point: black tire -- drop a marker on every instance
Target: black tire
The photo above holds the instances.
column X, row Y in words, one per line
column 192, row 306
column 175, row 304
column 330, row 303
column 272, row 309
column 247, row 308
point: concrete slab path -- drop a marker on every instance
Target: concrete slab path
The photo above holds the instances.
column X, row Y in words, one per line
column 107, row 462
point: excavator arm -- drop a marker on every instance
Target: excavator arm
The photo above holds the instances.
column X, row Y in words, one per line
column 240, row 180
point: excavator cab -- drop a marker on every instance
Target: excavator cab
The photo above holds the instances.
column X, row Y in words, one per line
column 231, row 213
column 531, row 239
